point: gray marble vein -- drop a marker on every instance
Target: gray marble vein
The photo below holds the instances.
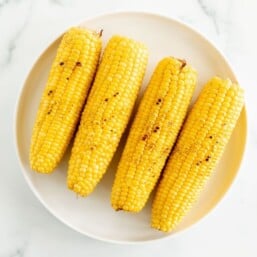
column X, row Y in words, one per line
column 13, row 42
column 16, row 36
column 4, row 3
column 60, row 2
column 210, row 12
column 18, row 253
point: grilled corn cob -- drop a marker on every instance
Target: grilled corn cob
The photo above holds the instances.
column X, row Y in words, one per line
column 198, row 149
column 68, row 83
column 106, row 113
column 153, row 133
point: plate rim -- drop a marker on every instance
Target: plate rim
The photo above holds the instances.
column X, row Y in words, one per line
column 21, row 92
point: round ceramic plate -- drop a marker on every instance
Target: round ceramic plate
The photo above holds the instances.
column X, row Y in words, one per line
column 93, row 216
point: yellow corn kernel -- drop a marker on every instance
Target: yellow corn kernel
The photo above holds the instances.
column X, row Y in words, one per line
column 153, row 133
column 59, row 111
column 198, row 150
column 106, row 113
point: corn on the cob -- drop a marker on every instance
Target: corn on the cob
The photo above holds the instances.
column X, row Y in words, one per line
column 198, row 149
column 153, row 133
column 68, row 83
column 106, row 113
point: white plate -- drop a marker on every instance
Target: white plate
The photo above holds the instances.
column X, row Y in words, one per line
column 93, row 216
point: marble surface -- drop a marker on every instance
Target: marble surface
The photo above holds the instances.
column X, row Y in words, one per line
column 26, row 227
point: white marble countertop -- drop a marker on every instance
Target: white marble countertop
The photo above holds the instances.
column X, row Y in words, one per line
column 26, row 227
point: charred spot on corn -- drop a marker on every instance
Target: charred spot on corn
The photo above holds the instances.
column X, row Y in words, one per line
column 159, row 100
column 50, row 92
column 208, row 158
column 167, row 150
column 156, row 129
column 78, row 64
column 144, row 137
column 61, row 63
column 198, row 163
